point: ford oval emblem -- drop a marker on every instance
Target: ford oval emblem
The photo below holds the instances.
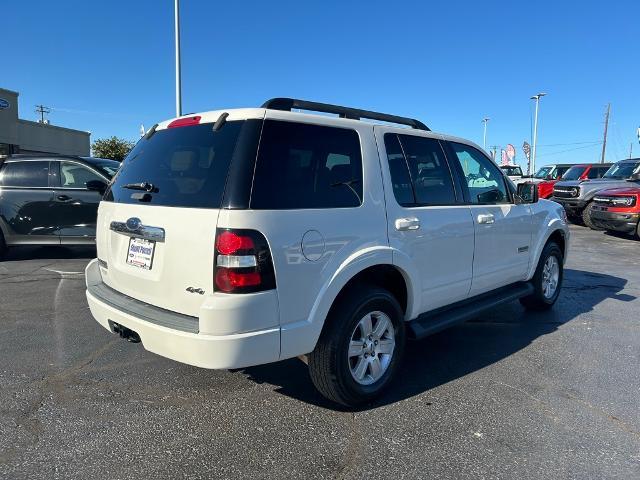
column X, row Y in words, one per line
column 4, row 104
column 133, row 223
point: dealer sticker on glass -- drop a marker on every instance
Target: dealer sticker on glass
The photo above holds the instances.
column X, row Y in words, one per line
column 141, row 253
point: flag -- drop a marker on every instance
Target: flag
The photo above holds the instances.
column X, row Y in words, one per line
column 511, row 153
column 526, row 148
column 505, row 159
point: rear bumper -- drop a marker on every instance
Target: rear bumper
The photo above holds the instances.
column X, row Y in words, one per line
column 232, row 350
column 620, row 222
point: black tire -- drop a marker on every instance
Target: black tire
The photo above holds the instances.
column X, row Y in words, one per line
column 329, row 364
column 586, row 217
column 575, row 219
column 3, row 246
column 537, row 300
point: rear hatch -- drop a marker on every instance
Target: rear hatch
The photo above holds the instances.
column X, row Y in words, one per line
column 157, row 221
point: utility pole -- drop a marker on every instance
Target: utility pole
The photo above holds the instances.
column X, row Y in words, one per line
column 631, row 150
column 485, row 120
column 178, row 79
column 535, row 130
column 42, row 110
column 606, row 127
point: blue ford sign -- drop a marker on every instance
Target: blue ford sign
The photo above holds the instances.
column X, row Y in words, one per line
column 4, row 104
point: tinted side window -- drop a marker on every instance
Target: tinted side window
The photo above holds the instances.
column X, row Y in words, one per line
column 482, row 177
column 596, row 172
column 560, row 171
column 74, row 175
column 25, row 174
column 432, row 181
column 400, row 178
column 307, row 166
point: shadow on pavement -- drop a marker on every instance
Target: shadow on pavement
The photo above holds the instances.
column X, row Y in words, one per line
column 49, row 252
column 463, row 349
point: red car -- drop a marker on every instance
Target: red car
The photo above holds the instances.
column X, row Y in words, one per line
column 581, row 171
column 617, row 209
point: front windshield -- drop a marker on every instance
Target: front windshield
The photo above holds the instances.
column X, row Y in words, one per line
column 574, row 173
column 622, row 170
column 543, row 172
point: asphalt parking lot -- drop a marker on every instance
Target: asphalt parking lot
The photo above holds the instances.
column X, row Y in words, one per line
column 508, row 395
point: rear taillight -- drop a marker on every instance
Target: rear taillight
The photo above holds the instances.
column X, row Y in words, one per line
column 242, row 262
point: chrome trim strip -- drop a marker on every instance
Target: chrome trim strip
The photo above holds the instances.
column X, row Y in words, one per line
column 143, row 231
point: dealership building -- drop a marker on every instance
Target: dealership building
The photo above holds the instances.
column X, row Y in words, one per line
column 25, row 136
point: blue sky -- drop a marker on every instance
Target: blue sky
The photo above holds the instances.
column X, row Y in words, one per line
column 107, row 66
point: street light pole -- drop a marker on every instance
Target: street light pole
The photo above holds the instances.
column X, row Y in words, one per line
column 485, row 120
column 535, row 131
column 178, row 79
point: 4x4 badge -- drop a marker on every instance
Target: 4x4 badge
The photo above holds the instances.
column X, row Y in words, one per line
column 195, row 290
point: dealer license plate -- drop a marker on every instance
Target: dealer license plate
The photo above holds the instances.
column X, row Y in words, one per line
column 140, row 253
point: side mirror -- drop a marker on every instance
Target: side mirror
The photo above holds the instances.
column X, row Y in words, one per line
column 528, row 192
column 97, row 186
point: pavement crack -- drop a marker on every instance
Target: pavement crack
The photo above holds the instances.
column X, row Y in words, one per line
column 47, row 387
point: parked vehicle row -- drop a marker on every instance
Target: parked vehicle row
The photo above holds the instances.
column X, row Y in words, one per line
column 246, row 236
column 577, row 196
column 51, row 200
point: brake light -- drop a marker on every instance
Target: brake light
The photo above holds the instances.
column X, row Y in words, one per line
column 185, row 121
column 229, row 242
column 242, row 262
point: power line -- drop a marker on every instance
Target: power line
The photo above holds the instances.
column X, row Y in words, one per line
column 570, row 150
column 563, row 144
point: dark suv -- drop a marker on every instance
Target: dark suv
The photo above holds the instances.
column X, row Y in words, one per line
column 51, row 200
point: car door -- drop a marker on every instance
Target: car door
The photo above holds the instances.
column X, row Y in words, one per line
column 502, row 228
column 427, row 218
column 26, row 202
column 76, row 207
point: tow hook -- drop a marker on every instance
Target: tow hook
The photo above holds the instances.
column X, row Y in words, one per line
column 124, row 332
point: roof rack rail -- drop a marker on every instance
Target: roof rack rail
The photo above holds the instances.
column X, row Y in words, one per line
column 288, row 104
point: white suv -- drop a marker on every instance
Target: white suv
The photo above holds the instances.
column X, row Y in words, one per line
column 241, row 237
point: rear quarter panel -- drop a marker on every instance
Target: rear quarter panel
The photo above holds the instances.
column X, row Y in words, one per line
column 347, row 240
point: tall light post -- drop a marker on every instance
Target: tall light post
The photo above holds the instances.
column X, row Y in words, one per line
column 535, row 131
column 485, row 120
column 178, row 80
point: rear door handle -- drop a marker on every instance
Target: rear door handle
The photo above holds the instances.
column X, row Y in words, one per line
column 410, row 223
column 486, row 218
column 63, row 198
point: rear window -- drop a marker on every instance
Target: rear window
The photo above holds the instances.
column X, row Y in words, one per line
column 25, row 174
column 186, row 167
column 307, row 166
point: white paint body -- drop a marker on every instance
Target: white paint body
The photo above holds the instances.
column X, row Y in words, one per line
column 448, row 259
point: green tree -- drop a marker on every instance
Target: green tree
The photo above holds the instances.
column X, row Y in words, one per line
column 114, row 148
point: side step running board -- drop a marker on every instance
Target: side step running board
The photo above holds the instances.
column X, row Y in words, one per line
column 432, row 322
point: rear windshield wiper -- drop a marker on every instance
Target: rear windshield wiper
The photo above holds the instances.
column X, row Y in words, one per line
column 145, row 186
